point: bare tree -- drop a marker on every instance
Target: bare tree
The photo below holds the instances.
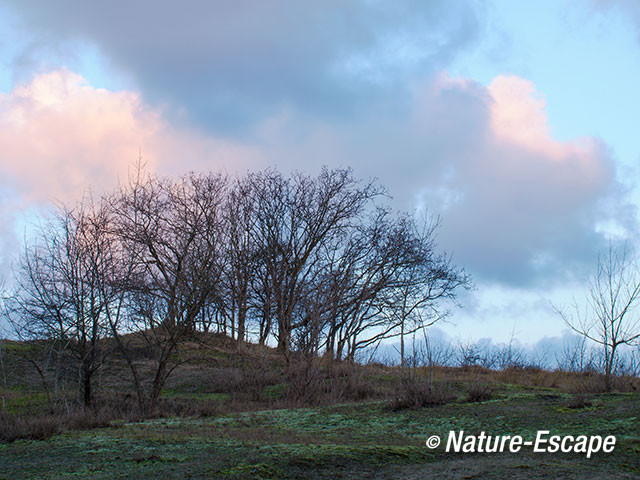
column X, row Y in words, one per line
column 359, row 278
column 3, row 316
column 241, row 262
column 170, row 232
column 387, row 281
column 575, row 355
column 59, row 295
column 609, row 317
column 428, row 279
column 314, row 262
column 294, row 217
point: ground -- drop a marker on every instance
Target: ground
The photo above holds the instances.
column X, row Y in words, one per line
column 348, row 440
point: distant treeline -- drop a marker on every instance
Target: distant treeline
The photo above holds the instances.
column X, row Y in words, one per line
column 320, row 265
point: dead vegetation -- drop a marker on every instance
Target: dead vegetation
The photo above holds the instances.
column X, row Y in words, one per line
column 217, row 377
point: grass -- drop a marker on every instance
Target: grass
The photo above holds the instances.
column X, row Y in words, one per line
column 351, row 440
column 218, row 397
column 219, row 420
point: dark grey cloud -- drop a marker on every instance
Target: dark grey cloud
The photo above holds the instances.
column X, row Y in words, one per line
column 230, row 63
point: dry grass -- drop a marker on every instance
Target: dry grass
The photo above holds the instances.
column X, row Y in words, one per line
column 578, row 401
column 222, row 376
column 417, row 392
column 478, row 392
column 568, row 382
column 41, row 427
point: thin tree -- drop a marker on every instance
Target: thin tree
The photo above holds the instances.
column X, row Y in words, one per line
column 170, row 232
column 240, row 263
column 58, row 290
column 609, row 318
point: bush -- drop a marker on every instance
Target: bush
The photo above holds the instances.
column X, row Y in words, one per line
column 584, row 383
column 223, row 380
column 41, row 427
column 305, row 384
column 578, row 401
column 359, row 386
column 418, row 393
column 478, row 392
column 255, row 376
column 35, row 428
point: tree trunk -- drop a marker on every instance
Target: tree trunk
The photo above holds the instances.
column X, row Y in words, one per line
column 608, row 369
column 402, row 344
column 241, row 324
column 284, row 337
column 158, row 383
column 86, row 385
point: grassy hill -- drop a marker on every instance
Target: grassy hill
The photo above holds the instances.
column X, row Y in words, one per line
column 243, row 414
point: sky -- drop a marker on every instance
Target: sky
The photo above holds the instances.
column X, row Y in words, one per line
column 513, row 121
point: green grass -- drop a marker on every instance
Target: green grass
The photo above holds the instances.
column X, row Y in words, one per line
column 249, row 438
column 363, row 440
column 17, row 400
column 173, row 393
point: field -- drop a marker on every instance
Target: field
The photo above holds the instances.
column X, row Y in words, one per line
column 275, row 437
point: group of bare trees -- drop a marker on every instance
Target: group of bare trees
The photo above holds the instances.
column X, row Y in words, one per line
column 317, row 265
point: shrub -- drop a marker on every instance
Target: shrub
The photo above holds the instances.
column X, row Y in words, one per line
column 584, row 383
column 255, row 376
column 478, row 392
column 34, row 428
column 578, row 401
column 42, row 427
column 305, row 384
column 418, row 393
column 224, row 380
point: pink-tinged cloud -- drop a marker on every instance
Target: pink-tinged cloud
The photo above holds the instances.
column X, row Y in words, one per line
column 60, row 136
column 517, row 204
column 522, row 200
column 518, row 116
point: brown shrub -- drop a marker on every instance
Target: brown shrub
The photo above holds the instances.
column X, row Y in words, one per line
column 321, row 381
column 478, row 392
column 578, row 401
column 256, row 375
column 224, row 380
column 186, row 407
column 33, row 428
column 14, row 427
column 305, row 384
column 415, row 392
column 583, row 383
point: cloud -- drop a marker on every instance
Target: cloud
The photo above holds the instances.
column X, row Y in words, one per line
column 233, row 64
column 59, row 135
column 523, row 203
column 518, row 206
column 518, row 117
